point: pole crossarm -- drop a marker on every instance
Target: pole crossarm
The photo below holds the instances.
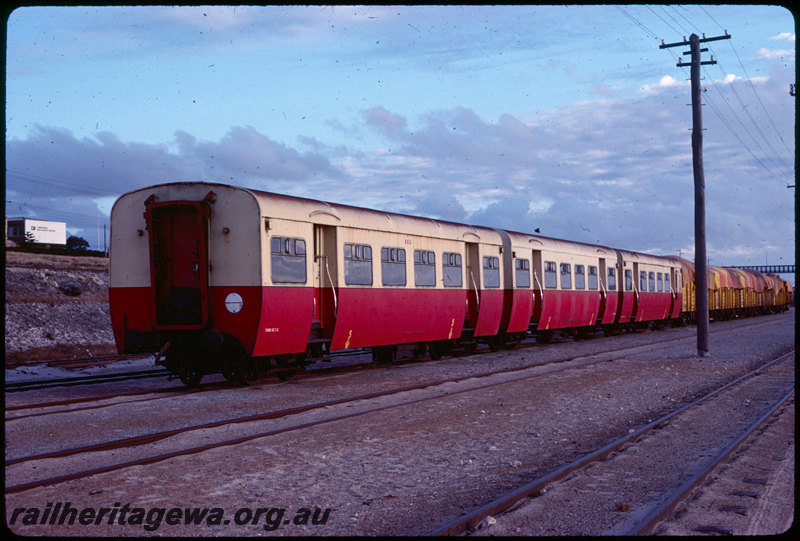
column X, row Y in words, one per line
column 686, row 42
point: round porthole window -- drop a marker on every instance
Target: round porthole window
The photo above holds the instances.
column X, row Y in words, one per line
column 233, row 302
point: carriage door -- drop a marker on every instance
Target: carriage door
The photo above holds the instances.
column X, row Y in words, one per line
column 603, row 290
column 538, row 288
column 179, row 262
column 325, row 284
column 472, row 283
column 670, row 274
column 636, row 292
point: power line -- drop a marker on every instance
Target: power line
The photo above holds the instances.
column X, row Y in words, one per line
column 766, row 154
column 54, row 212
column 28, row 177
column 770, row 153
column 789, row 170
column 637, row 22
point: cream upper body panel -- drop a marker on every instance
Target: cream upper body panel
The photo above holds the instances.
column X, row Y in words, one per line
column 318, row 212
column 242, row 223
column 234, row 230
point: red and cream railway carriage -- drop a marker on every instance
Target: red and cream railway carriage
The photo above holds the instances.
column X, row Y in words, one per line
column 217, row 278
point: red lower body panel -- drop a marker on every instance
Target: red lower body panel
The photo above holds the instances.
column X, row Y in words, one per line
column 562, row 309
column 285, row 320
column 625, row 307
column 653, row 306
column 131, row 308
column 278, row 320
column 238, row 320
column 520, row 310
column 676, row 305
column 610, row 309
column 377, row 317
column 490, row 312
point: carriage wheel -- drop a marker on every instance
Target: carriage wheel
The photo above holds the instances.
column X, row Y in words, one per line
column 244, row 369
column 435, row 351
column 189, row 373
column 286, row 365
column 384, row 354
column 179, row 360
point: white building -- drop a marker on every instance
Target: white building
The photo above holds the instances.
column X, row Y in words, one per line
column 41, row 231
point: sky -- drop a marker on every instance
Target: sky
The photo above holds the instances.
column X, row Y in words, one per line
column 567, row 118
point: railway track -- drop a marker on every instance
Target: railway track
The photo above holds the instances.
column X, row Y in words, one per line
column 491, row 513
column 486, row 379
column 93, row 379
column 419, row 454
column 99, row 378
column 70, row 405
column 650, row 524
column 122, row 376
column 341, row 404
column 77, row 362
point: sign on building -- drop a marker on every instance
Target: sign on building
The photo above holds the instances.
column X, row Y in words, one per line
column 40, row 231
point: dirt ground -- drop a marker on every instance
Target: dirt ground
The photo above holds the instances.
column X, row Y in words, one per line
column 56, row 307
column 56, row 262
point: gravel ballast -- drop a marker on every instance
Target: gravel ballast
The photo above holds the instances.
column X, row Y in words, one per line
column 409, row 469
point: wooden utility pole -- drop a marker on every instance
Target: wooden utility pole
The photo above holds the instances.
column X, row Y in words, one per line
column 700, row 257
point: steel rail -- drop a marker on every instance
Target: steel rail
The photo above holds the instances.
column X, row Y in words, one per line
column 647, row 525
column 82, row 380
column 473, row 519
column 140, row 440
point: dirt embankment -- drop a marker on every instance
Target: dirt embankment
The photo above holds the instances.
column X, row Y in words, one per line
column 56, row 307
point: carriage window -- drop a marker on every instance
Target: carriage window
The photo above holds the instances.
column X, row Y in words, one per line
column 393, row 266
column 550, row 278
column 358, row 264
column 566, row 276
column 491, row 272
column 660, row 281
column 580, row 277
column 651, row 280
column 628, row 280
column 522, row 272
column 451, row 270
column 592, row 277
column 612, row 279
column 424, row 268
column 288, row 260
column 642, row 281
column 666, row 283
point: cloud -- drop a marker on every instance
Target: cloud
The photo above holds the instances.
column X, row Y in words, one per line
column 246, row 153
column 387, row 124
column 785, row 36
column 772, row 54
column 104, row 162
column 610, row 172
column 54, row 175
column 666, row 81
column 616, row 172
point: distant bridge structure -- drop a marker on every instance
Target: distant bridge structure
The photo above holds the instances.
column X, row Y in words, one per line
column 771, row 269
